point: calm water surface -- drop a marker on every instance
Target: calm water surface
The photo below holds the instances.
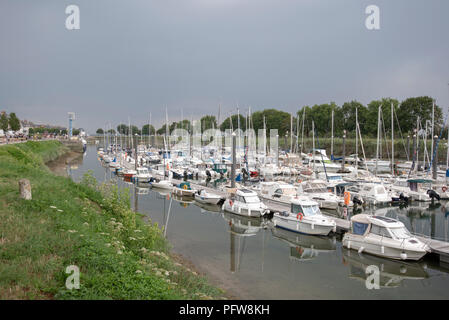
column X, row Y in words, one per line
column 254, row 261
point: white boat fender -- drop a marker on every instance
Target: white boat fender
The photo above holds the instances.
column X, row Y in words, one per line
column 403, row 256
column 313, row 226
column 382, row 249
column 349, row 244
column 361, row 249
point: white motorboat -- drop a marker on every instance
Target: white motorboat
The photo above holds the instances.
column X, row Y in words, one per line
column 184, row 189
column 385, row 237
column 143, row 175
column 304, row 217
column 162, row 184
column 203, row 196
column 412, row 188
column 317, row 190
column 278, row 191
column 245, row 202
column 372, row 193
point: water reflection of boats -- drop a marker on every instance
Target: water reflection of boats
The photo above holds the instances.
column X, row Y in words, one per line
column 391, row 272
column 240, row 229
column 208, row 207
column 243, row 226
column 140, row 190
column 302, row 246
column 183, row 200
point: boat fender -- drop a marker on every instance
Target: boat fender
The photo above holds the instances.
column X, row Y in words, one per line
column 382, row 249
column 403, row 256
column 444, row 189
column 349, row 244
column 361, row 249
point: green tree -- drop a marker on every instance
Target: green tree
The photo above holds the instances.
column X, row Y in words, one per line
column 100, row 131
column 411, row 108
column 124, row 129
column 111, row 131
column 14, row 122
column 348, row 111
column 145, row 130
column 4, row 123
column 208, row 122
column 373, row 114
column 322, row 117
column 235, row 123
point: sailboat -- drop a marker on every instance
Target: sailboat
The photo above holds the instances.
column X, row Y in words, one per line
column 163, row 183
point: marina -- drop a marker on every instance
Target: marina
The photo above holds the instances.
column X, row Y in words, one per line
column 224, row 150
column 239, row 251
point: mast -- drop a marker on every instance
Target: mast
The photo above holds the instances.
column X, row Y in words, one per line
column 332, row 136
column 313, row 147
column 417, row 144
column 302, row 134
column 291, row 132
column 297, row 133
column 356, row 143
column 392, row 141
column 447, row 154
column 433, row 125
column 378, row 137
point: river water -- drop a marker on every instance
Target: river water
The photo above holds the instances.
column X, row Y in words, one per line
column 251, row 260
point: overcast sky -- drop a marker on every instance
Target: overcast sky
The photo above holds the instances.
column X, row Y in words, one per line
column 133, row 57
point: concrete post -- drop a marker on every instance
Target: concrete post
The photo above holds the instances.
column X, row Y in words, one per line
column 25, row 189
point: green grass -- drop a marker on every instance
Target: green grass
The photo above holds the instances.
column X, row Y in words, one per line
column 87, row 225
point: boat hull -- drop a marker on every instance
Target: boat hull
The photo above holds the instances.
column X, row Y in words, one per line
column 385, row 251
column 303, row 227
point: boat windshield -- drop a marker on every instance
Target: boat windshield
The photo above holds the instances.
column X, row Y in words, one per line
column 252, row 199
column 310, row 210
column 400, row 233
column 289, row 191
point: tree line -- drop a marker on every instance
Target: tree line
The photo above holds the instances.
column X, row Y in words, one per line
column 10, row 122
column 405, row 115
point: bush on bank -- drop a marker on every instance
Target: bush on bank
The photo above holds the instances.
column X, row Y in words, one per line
column 88, row 225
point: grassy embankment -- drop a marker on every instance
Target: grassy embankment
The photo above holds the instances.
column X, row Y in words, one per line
column 87, row 225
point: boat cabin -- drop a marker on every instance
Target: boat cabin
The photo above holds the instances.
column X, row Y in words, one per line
column 246, row 196
column 363, row 224
column 416, row 184
column 305, row 206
